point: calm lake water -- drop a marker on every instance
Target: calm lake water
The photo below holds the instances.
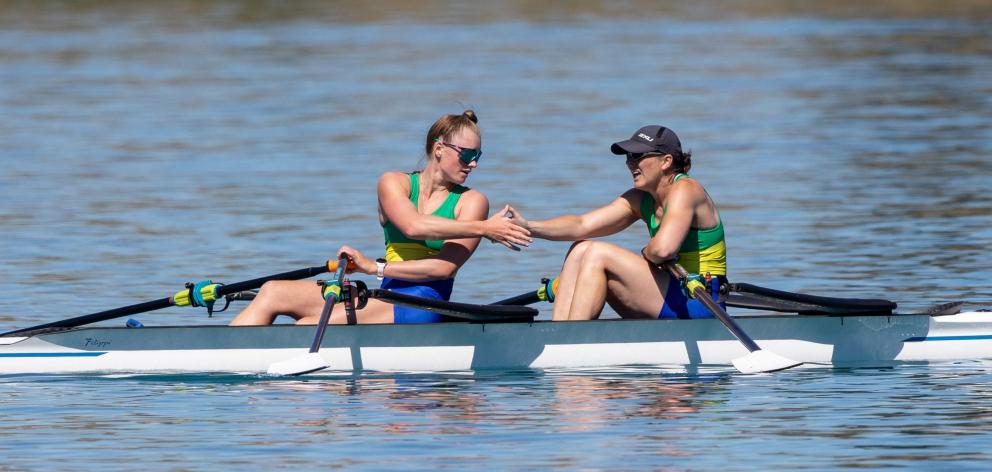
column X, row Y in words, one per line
column 849, row 148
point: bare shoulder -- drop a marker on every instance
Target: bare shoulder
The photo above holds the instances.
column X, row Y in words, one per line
column 394, row 182
column 394, row 176
column 689, row 188
column 473, row 195
column 633, row 198
column 473, row 204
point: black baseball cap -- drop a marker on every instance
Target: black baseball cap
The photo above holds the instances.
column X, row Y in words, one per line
column 651, row 138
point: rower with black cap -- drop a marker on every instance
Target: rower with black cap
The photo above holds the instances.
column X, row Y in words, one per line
column 683, row 223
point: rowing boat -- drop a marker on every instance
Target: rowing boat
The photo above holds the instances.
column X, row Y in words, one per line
column 502, row 335
column 864, row 340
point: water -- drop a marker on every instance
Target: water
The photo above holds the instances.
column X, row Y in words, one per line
column 912, row 416
column 144, row 145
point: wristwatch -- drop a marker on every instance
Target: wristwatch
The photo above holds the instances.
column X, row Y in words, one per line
column 380, row 267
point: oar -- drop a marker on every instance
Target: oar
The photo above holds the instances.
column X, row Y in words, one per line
column 180, row 298
column 545, row 293
column 758, row 360
column 465, row 311
column 312, row 361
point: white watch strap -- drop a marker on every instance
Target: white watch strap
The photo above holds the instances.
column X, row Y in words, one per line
column 380, row 267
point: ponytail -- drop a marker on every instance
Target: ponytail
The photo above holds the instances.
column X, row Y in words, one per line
column 449, row 125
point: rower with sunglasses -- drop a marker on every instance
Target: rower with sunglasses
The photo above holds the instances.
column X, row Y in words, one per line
column 432, row 224
column 683, row 223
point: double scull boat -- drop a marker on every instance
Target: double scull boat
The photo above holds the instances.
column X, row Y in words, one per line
column 504, row 335
column 813, row 339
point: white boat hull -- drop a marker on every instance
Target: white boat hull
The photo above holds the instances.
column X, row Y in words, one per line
column 833, row 340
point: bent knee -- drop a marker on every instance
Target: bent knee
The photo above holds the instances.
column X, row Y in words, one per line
column 269, row 287
column 578, row 249
column 598, row 251
column 276, row 293
column 267, row 291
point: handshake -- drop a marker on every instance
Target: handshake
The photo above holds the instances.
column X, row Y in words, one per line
column 509, row 228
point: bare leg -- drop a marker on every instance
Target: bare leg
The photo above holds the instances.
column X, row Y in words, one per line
column 295, row 298
column 607, row 272
column 301, row 300
column 566, row 280
column 375, row 312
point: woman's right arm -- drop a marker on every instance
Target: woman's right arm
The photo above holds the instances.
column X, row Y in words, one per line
column 396, row 207
column 603, row 221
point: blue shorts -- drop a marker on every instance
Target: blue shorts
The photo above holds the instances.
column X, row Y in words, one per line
column 678, row 305
column 436, row 289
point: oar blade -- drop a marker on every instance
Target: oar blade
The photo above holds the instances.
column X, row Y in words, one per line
column 299, row 365
column 763, row 361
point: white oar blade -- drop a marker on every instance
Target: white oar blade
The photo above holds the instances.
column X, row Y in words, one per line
column 309, row 362
column 763, row 361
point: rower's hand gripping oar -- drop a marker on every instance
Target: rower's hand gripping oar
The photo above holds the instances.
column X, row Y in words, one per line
column 758, row 360
column 312, row 361
column 206, row 292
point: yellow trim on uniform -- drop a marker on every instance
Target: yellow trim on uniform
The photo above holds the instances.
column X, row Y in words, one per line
column 712, row 260
column 408, row 252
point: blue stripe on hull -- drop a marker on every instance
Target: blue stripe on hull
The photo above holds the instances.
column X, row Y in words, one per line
column 949, row 338
column 52, row 354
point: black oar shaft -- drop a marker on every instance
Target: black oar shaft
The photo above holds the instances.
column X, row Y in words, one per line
column 466, row 311
column 325, row 313
column 255, row 283
column 522, row 299
column 167, row 302
column 99, row 316
column 727, row 321
column 679, row 274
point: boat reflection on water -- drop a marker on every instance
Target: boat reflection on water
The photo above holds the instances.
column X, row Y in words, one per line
column 591, row 400
column 466, row 403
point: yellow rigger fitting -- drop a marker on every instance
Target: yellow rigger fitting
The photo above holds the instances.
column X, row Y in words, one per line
column 332, row 289
column 691, row 285
column 548, row 291
column 208, row 293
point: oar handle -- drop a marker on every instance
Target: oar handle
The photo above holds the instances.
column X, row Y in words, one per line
column 332, row 265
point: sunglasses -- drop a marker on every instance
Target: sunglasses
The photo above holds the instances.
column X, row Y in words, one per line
column 466, row 155
column 640, row 156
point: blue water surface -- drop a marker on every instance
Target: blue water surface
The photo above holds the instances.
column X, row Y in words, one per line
column 933, row 417
column 146, row 144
